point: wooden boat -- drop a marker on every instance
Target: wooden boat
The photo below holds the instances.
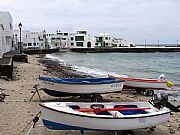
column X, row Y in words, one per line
column 111, row 116
column 144, row 83
column 80, row 86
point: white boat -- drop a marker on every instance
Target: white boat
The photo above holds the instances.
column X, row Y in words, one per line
column 80, row 86
column 111, row 116
column 144, row 83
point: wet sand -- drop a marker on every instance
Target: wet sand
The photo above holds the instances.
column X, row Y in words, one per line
column 17, row 110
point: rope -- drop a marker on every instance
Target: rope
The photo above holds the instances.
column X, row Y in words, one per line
column 29, row 130
column 33, row 125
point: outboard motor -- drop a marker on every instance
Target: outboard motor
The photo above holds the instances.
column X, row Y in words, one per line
column 161, row 100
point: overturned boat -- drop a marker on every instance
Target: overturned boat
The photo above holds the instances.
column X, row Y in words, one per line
column 112, row 116
column 80, row 86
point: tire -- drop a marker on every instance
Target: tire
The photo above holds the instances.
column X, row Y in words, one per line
column 96, row 98
column 150, row 92
column 128, row 132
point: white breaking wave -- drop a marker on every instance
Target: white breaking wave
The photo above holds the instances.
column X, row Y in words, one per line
column 91, row 71
column 82, row 69
column 53, row 58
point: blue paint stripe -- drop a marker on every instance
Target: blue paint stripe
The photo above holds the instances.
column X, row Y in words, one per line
column 60, row 126
column 58, row 93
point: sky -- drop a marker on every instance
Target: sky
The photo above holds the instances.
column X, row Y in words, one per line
column 134, row 20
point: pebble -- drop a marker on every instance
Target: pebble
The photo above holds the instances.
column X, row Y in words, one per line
column 172, row 131
column 169, row 125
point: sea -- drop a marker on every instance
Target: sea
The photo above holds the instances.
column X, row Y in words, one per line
column 140, row 65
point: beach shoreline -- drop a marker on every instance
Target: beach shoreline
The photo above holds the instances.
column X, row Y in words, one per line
column 17, row 111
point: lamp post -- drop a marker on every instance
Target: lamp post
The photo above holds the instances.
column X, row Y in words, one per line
column 145, row 42
column 20, row 47
column 177, row 42
column 34, row 43
column 158, row 43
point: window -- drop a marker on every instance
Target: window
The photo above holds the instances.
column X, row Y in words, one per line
column 114, row 45
column 34, row 44
column 72, row 43
column 24, row 44
column 99, row 39
column 29, row 44
column 11, row 27
column 72, row 38
column 106, row 38
column 79, row 44
column 96, row 43
column 79, row 38
column 106, row 44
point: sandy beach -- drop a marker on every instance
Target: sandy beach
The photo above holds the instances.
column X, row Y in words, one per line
column 17, row 110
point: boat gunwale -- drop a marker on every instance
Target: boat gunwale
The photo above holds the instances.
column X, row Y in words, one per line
column 89, row 116
column 140, row 80
column 85, row 83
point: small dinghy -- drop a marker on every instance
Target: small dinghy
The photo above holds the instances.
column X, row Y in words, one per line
column 112, row 116
column 80, row 86
column 144, row 83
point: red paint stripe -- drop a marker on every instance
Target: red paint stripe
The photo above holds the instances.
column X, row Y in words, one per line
column 110, row 109
column 139, row 79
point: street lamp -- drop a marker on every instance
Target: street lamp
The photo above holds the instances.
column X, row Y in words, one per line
column 177, row 42
column 20, row 27
column 34, row 43
column 145, row 42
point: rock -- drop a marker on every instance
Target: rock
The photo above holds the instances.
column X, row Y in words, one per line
column 169, row 125
column 172, row 131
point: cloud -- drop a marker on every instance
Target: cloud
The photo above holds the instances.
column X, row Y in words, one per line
column 132, row 19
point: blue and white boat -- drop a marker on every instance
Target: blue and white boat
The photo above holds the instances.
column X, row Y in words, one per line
column 109, row 116
column 80, row 86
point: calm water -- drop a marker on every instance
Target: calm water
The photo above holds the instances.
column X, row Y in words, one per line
column 143, row 65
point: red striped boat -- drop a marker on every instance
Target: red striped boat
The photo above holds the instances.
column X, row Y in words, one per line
column 144, row 83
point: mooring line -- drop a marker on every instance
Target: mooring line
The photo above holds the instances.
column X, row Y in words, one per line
column 34, row 120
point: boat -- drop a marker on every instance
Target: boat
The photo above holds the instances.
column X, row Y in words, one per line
column 100, row 116
column 144, row 83
column 80, row 86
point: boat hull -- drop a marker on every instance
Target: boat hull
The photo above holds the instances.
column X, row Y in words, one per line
column 61, row 89
column 60, row 120
column 144, row 85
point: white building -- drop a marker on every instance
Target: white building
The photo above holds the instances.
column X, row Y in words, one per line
column 59, row 39
column 64, row 39
column 106, row 40
column 6, row 32
column 30, row 40
column 81, row 39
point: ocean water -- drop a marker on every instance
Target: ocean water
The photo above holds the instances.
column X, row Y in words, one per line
column 141, row 65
